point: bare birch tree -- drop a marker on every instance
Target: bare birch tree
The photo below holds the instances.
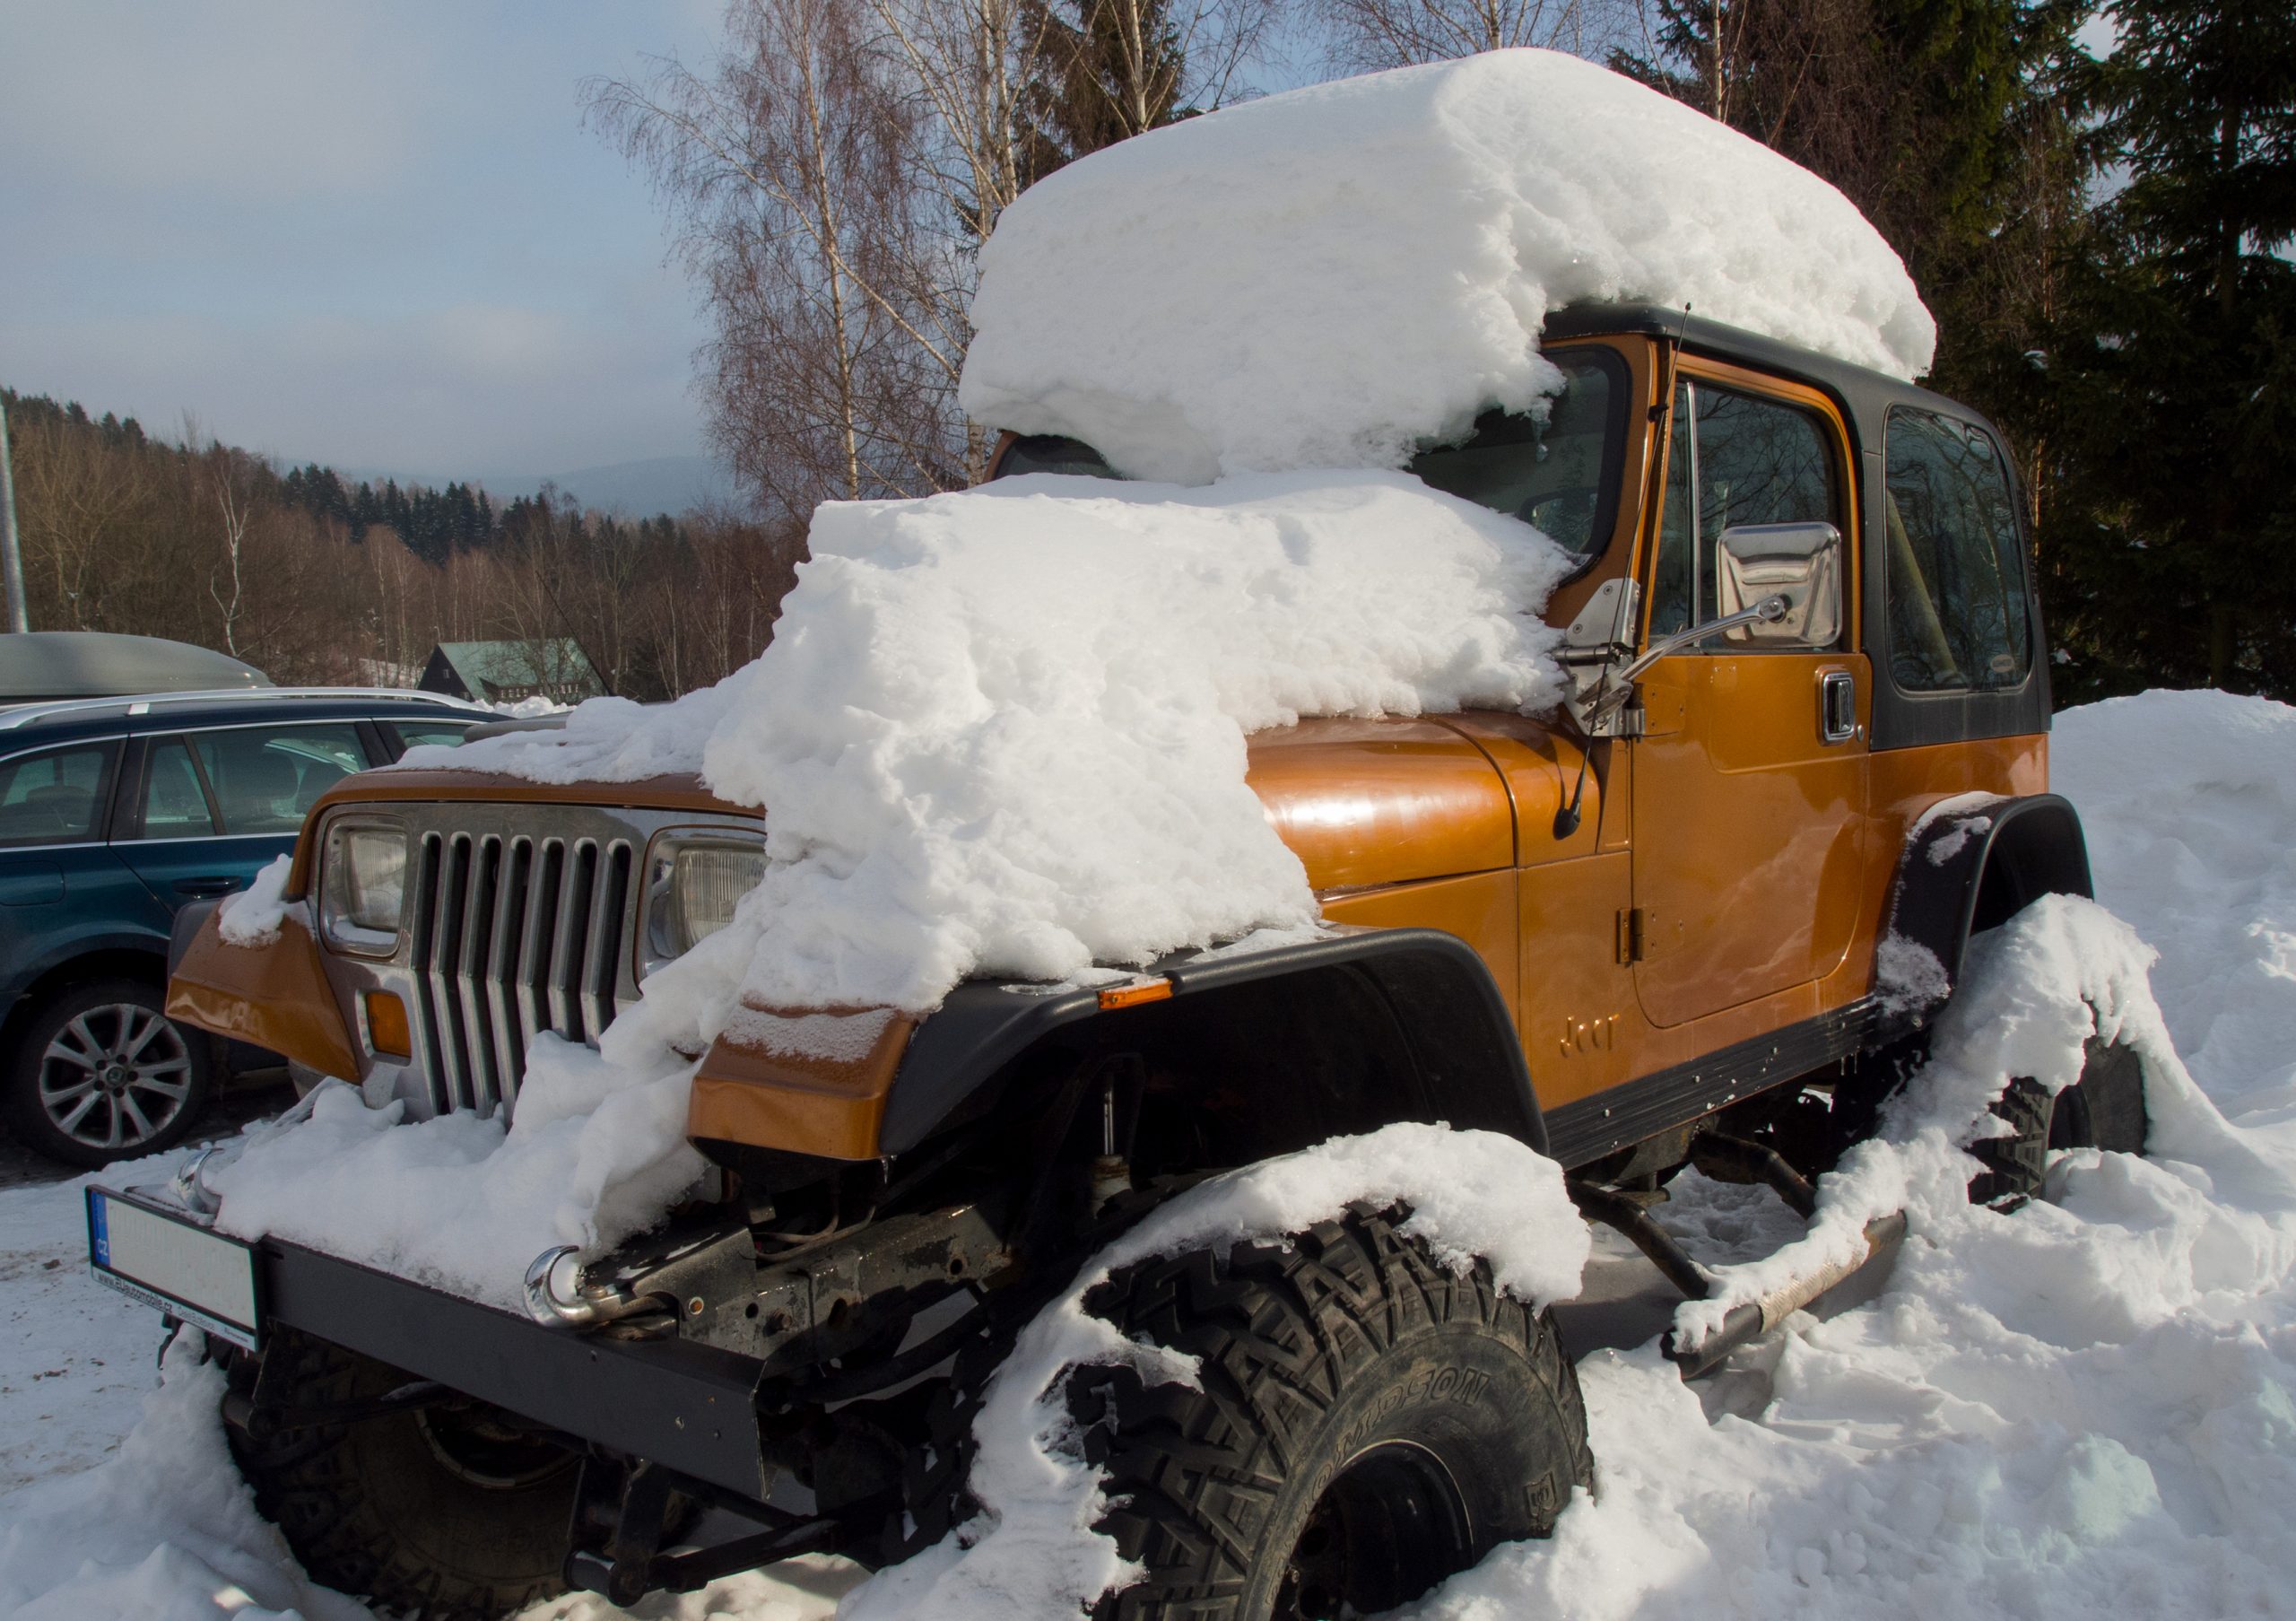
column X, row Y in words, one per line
column 1363, row 35
column 227, row 481
column 784, row 172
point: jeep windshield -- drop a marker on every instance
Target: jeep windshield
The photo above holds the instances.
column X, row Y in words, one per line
column 1557, row 470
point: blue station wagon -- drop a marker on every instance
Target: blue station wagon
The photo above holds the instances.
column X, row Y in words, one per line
column 114, row 813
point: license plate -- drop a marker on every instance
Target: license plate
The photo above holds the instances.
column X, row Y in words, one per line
column 172, row 1264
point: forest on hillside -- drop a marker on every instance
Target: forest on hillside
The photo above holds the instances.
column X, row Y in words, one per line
column 314, row 578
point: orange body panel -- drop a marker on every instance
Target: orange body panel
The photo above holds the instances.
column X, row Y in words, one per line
column 1365, row 803
column 1479, row 909
column 275, row 995
column 825, row 1106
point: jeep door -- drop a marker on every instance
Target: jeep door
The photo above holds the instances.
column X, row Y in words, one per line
column 1749, row 782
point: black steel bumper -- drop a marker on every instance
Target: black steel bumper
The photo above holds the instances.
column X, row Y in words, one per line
column 691, row 1409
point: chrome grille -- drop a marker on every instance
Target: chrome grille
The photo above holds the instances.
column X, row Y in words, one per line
column 514, row 934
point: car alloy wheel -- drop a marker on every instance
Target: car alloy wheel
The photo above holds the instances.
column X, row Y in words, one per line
column 115, row 1077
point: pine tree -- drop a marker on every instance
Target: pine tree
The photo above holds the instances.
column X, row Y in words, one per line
column 1108, row 70
column 2173, row 374
column 1950, row 123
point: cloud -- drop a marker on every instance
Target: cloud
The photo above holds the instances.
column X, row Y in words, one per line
column 284, row 99
column 375, row 236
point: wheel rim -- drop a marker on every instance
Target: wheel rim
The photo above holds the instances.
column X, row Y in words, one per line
column 115, row 1077
column 1390, row 1525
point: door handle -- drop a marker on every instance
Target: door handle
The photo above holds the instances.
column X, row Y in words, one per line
column 205, row 888
column 1837, row 706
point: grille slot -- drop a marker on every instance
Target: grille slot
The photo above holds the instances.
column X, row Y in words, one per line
column 514, row 934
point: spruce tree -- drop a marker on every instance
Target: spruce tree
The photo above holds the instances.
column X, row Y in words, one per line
column 2173, row 371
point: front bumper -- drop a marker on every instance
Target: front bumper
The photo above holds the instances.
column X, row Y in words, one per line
column 687, row 1407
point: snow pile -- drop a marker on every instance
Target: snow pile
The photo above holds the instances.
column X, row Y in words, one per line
column 1002, row 732
column 2034, row 991
column 2189, row 799
column 165, row 1530
column 2087, row 1407
column 1330, row 276
column 1033, row 1551
column 251, row 917
column 596, row 1153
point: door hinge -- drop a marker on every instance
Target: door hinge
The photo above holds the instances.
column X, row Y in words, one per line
column 1630, row 936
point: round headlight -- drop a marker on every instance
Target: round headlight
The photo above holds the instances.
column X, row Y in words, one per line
column 694, row 889
column 363, row 890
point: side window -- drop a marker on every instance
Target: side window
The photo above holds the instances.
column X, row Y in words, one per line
column 56, row 798
column 415, row 734
column 265, row 778
column 1956, row 561
column 1733, row 458
column 174, row 805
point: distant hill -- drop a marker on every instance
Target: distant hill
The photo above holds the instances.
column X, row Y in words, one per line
column 637, row 489
column 674, row 484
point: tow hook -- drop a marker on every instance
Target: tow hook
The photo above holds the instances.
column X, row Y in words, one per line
column 557, row 1295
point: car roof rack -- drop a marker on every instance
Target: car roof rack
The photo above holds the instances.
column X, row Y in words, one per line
column 134, row 703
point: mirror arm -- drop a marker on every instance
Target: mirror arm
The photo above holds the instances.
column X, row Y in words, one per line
column 1617, row 687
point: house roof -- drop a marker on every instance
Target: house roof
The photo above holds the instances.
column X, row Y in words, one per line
column 485, row 667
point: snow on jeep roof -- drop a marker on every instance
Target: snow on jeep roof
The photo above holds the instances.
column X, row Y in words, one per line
column 1331, row 276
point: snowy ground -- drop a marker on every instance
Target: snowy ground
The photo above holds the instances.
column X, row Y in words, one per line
column 2087, row 1406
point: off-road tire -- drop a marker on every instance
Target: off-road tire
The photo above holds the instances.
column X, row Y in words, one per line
column 1343, row 1378
column 372, row 1509
column 99, row 1001
column 2105, row 1109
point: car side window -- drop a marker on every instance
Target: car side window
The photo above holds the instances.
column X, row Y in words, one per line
column 55, row 797
column 265, row 778
column 1956, row 558
column 1732, row 458
column 415, row 734
column 175, row 804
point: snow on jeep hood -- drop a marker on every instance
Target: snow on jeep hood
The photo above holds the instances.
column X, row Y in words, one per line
column 1002, row 732
column 1330, row 276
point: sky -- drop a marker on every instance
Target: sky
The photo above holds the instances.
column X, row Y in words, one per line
column 375, row 236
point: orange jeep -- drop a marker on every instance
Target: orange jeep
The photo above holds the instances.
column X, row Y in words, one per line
column 1699, row 915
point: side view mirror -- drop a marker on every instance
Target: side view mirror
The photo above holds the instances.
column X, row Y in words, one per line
column 1799, row 562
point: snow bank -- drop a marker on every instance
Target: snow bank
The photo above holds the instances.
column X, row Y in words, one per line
column 1033, row 1551
column 1002, row 732
column 596, row 1153
column 2189, row 799
column 164, row 1531
column 251, row 917
column 1330, row 276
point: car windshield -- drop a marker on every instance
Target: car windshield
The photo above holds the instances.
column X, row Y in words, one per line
column 1558, row 472
column 1557, row 469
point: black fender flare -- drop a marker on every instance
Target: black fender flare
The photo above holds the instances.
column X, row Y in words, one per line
column 1970, row 869
column 1467, row 1059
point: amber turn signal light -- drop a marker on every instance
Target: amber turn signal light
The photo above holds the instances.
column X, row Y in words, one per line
column 387, row 1031
column 1135, row 993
